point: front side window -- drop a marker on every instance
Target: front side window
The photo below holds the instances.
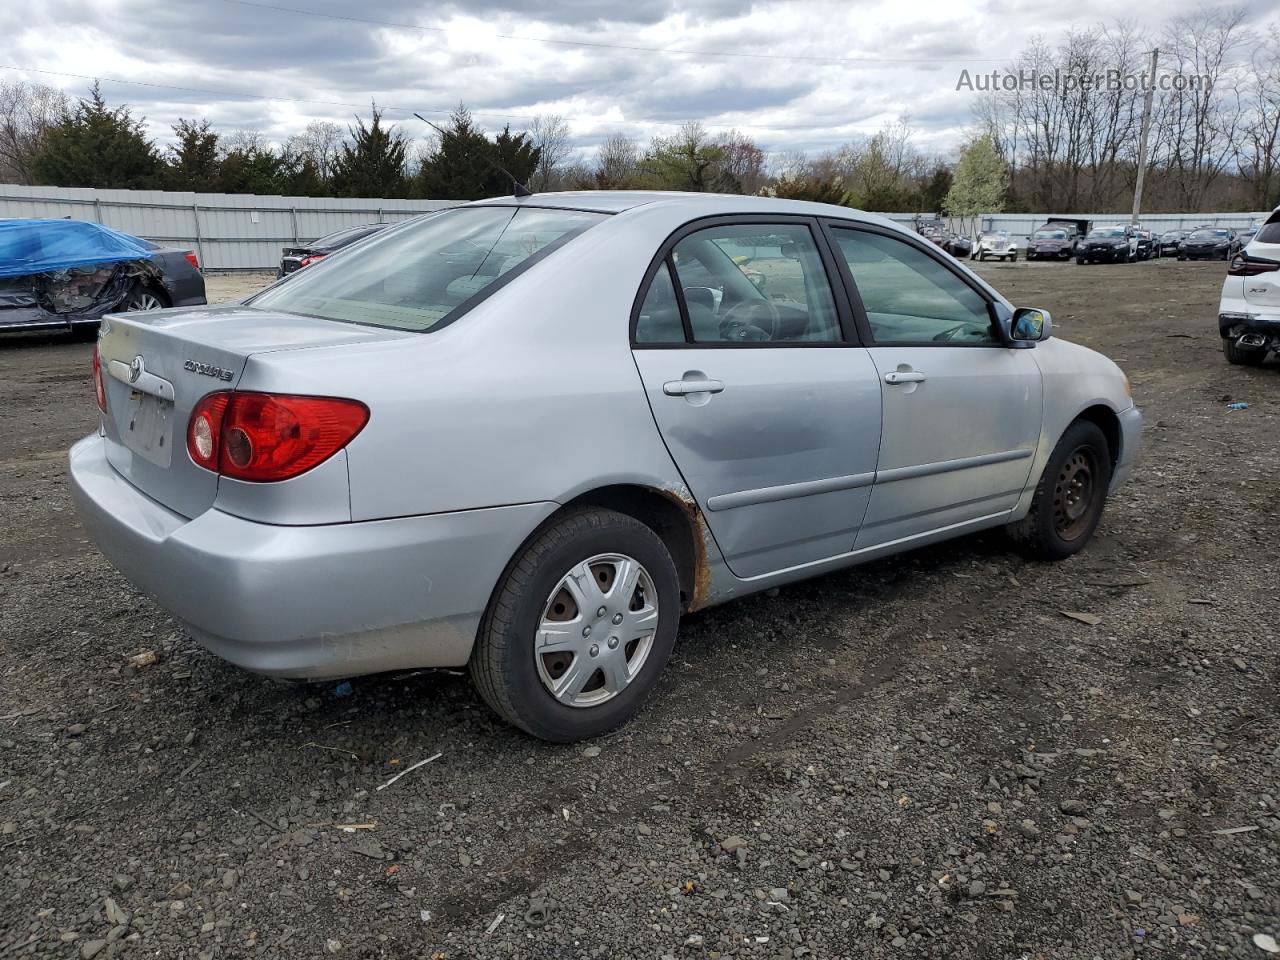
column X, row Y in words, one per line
column 910, row 297
column 756, row 283
column 420, row 276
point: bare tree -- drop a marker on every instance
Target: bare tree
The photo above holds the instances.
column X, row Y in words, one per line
column 27, row 110
column 743, row 161
column 1257, row 149
column 320, row 143
column 616, row 162
column 1202, row 118
column 550, row 135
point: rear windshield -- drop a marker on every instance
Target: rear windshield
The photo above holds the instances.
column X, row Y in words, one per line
column 1269, row 233
column 426, row 273
column 344, row 236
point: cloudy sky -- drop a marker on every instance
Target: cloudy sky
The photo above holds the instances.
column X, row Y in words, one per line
column 798, row 75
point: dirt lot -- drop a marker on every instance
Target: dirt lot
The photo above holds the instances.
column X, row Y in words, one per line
column 921, row 757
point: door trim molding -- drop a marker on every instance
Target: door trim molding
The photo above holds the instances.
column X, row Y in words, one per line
column 950, row 466
column 788, row 491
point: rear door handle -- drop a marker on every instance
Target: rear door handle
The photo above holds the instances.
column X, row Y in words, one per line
column 683, row 388
column 904, row 376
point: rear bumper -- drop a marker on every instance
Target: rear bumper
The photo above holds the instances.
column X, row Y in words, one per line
column 311, row 602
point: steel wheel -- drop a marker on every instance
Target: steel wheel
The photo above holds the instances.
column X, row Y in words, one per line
column 1074, row 496
column 144, row 299
column 596, row 631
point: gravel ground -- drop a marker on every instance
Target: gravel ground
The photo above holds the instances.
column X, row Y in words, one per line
column 923, row 757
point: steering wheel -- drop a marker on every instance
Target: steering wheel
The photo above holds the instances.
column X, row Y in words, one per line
column 959, row 332
column 750, row 320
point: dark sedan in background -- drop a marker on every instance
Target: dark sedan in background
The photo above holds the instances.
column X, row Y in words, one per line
column 1169, row 241
column 65, row 275
column 1209, row 243
column 295, row 258
column 1052, row 243
column 180, row 284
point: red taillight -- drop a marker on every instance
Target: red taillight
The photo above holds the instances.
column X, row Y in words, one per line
column 1243, row 265
column 99, row 390
column 192, row 259
column 270, row 436
column 310, row 259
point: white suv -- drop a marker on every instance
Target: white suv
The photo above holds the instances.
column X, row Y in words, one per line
column 1249, row 314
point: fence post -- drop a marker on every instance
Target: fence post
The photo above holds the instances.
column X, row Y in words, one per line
column 195, row 214
column 97, row 209
column 293, row 215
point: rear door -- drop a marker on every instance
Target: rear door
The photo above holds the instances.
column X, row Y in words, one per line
column 771, row 414
column 962, row 411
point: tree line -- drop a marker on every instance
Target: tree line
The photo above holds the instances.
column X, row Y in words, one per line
column 1214, row 145
column 49, row 139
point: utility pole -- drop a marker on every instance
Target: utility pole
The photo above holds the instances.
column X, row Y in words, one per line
column 1142, row 139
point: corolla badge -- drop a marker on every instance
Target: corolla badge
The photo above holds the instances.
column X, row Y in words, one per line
column 207, row 369
column 136, row 369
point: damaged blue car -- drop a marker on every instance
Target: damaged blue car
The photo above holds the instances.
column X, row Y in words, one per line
column 67, row 274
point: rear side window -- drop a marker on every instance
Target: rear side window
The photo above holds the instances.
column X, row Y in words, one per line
column 427, row 273
column 659, row 320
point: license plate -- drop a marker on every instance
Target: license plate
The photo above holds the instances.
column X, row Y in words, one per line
column 149, row 429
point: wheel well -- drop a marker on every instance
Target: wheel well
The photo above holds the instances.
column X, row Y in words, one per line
column 670, row 516
column 1109, row 424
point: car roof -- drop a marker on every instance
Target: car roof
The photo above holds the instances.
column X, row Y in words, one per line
column 699, row 204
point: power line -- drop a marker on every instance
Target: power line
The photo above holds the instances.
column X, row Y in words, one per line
column 526, row 118
column 796, row 58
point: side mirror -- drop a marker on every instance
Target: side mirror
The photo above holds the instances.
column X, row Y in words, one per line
column 1030, row 324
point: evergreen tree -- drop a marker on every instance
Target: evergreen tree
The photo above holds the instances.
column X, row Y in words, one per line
column 251, row 169
column 371, row 164
column 193, row 160
column 93, row 146
column 934, row 192
column 456, row 168
column 517, row 153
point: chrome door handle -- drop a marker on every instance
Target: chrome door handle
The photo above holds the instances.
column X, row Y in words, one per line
column 683, row 388
column 904, row 376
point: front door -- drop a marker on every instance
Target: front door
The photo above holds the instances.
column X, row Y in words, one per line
column 771, row 416
column 962, row 411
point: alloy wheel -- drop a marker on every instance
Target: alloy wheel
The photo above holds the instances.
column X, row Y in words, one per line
column 144, row 300
column 597, row 630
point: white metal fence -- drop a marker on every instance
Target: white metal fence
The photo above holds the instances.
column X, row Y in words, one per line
column 227, row 231
column 232, row 231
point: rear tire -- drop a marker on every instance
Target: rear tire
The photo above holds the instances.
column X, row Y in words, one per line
column 568, row 559
column 1242, row 356
column 1069, row 497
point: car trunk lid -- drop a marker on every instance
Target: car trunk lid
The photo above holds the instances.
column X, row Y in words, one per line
column 157, row 365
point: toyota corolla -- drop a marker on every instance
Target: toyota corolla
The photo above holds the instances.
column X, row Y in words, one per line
column 526, row 435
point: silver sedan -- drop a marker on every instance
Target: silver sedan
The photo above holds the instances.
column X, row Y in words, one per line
column 526, row 435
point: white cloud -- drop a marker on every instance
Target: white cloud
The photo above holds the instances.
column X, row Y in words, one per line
column 341, row 65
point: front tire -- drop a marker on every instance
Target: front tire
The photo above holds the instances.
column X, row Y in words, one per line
column 547, row 659
column 1242, row 356
column 1069, row 498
